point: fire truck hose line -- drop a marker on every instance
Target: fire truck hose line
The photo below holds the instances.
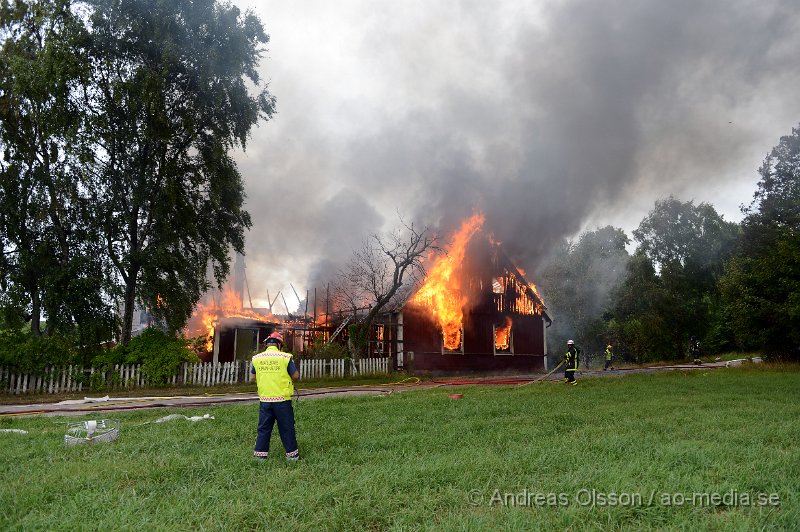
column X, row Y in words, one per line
column 133, row 403
column 540, row 379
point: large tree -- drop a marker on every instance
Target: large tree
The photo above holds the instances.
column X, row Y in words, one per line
column 578, row 281
column 173, row 88
column 51, row 263
column 762, row 283
column 686, row 246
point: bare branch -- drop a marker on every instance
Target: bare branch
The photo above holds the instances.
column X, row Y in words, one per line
column 380, row 267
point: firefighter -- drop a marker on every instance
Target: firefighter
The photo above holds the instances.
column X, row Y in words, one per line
column 609, row 356
column 275, row 370
column 570, row 363
column 694, row 348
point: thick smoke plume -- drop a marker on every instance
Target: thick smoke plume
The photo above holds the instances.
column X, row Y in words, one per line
column 550, row 117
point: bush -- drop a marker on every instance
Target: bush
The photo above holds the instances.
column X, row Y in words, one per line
column 159, row 353
column 22, row 352
column 322, row 350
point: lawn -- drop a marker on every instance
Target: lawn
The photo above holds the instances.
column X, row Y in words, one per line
column 609, row 453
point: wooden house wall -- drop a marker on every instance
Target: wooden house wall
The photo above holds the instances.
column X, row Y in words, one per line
column 421, row 337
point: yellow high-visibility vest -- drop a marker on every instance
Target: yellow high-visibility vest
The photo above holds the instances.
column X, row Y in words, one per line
column 272, row 377
column 571, row 360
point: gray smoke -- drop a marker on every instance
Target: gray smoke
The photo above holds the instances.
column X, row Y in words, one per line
column 549, row 117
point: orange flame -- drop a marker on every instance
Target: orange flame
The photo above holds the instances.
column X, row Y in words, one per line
column 511, row 288
column 228, row 304
column 441, row 291
column 502, row 335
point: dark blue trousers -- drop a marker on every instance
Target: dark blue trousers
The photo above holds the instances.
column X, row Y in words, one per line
column 268, row 414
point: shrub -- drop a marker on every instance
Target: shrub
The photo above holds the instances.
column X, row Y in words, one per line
column 322, row 350
column 21, row 351
column 159, row 353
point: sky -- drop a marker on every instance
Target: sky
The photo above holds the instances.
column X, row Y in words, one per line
column 551, row 117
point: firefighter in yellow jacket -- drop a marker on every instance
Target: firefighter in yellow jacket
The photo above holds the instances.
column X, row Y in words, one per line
column 609, row 357
column 570, row 363
column 275, row 371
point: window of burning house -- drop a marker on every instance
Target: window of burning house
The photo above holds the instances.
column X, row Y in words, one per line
column 379, row 338
column 503, row 338
column 497, row 285
column 453, row 340
column 512, row 295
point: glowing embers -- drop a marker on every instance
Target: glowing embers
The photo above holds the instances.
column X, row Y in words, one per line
column 502, row 337
column 442, row 291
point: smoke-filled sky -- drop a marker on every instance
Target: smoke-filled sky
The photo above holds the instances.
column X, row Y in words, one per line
column 552, row 117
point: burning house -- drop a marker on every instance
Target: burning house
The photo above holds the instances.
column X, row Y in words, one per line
column 474, row 312
column 233, row 332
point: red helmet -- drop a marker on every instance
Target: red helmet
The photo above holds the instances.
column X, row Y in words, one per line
column 275, row 336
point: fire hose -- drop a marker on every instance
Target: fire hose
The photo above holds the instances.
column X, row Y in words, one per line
column 543, row 377
column 518, row 381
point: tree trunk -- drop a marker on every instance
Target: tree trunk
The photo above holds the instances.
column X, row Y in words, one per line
column 130, row 305
column 36, row 313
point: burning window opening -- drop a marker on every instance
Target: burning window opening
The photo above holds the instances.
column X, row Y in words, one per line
column 502, row 338
column 379, row 330
column 452, row 340
column 497, row 285
column 515, row 295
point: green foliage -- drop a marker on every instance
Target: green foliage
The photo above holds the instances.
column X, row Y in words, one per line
column 357, row 339
column 198, row 345
column 27, row 353
column 762, row 283
column 670, row 292
column 578, row 282
column 171, row 85
column 322, row 350
column 159, row 353
column 117, row 123
column 51, row 262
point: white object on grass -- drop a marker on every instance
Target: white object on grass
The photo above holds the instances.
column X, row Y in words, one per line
column 100, row 430
column 85, row 400
column 173, row 417
column 16, row 431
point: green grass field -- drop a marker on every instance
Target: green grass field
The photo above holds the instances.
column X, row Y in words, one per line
column 609, row 453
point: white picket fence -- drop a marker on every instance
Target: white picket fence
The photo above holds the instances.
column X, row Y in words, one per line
column 370, row 366
column 66, row 379
column 52, row 380
column 209, row 374
column 315, row 369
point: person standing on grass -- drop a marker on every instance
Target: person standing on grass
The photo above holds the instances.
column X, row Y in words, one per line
column 275, row 370
column 570, row 363
column 694, row 347
column 609, row 356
